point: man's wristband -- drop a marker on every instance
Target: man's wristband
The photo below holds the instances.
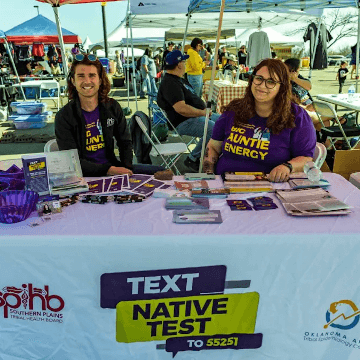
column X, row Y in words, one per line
column 288, row 165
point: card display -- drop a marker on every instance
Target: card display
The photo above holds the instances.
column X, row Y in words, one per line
column 197, row 217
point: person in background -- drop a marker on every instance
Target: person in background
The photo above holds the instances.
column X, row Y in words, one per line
column 169, row 49
column 263, row 131
column 195, row 66
column 54, row 65
column 148, row 72
column 118, row 63
column 204, row 53
column 341, row 75
column 273, row 53
column 184, row 108
column 353, row 61
column 242, row 55
column 122, row 57
column 91, row 121
column 231, row 65
column 222, row 54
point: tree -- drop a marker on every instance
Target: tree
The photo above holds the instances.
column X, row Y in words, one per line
column 341, row 24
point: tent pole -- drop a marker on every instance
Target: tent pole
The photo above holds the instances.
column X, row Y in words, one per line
column 14, row 67
column 128, row 62
column 314, row 48
column 185, row 32
column 134, row 65
column 208, row 104
column 103, row 4
column 61, row 40
column 357, row 52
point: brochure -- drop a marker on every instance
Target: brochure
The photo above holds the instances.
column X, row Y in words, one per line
column 197, row 217
column 311, row 202
column 189, row 185
column 306, row 183
column 147, row 188
column 65, row 174
column 241, row 182
column 36, row 173
column 184, row 203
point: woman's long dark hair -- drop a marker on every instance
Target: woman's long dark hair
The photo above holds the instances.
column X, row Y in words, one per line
column 281, row 116
column 105, row 86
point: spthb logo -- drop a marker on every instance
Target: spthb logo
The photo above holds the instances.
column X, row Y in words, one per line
column 27, row 297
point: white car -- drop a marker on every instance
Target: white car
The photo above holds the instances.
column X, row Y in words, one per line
column 336, row 59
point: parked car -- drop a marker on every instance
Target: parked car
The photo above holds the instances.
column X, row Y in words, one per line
column 336, row 60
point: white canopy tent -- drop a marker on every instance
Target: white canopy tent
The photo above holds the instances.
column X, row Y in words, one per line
column 87, row 43
column 274, row 38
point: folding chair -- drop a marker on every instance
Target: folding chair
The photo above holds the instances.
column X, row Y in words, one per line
column 158, row 115
column 51, row 146
column 169, row 153
column 337, row 131
column 51, row 89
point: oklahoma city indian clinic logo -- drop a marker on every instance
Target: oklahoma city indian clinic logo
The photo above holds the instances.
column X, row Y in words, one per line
column 19, row 303
column 336, row 311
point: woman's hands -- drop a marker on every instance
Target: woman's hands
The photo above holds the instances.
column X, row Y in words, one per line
column 279, row 173
column 115, row 170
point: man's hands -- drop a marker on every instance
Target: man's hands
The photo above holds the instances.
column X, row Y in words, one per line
column 114, row 170
column 279, row 173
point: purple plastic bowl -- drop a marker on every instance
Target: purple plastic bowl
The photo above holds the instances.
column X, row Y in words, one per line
column 16, row 206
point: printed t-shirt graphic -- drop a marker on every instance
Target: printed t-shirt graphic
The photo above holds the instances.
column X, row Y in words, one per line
column 95, row 146
column 252, row 147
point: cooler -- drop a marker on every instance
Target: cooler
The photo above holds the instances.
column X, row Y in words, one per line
column 105, row 63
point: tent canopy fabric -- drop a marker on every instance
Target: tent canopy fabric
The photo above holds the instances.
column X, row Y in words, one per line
column 87, row 43
column 274, row 38
column 261, row 5
column 138, row 7
column 205, row 34
column 64, row 2
column 231, row 20
column 2, row 34
column 39, row 29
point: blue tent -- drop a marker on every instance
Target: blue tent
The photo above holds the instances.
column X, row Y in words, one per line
column 39, row 29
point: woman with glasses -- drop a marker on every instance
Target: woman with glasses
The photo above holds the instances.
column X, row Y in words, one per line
column 263, row 131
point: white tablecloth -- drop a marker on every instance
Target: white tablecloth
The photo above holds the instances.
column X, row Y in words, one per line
column 295, row 270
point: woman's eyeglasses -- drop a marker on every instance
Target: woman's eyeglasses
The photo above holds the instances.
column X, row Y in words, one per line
column 269, row 83
column 81, row 57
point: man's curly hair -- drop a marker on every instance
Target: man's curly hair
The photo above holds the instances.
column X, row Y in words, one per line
column 105, row 86
column 281, row 116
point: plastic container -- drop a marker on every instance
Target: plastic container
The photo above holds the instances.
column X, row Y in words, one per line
column 313, row 173
column 29, row 107
column 46, row 116
column 351, row 93
column 21, row 125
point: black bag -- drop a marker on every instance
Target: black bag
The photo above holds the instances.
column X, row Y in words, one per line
column 138, row 64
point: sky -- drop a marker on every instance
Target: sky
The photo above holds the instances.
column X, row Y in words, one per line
column 83, row 20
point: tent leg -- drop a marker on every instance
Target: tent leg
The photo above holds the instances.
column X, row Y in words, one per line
column 208, row 105
column 185, row 32
column 133, row 60
column 15, row 70
column 61, row 41
column 357, row 52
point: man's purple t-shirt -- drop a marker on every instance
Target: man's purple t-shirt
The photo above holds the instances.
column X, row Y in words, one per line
column 252, row 147
column 95, row 146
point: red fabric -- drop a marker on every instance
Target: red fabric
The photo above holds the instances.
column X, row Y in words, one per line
column 38, row 50
column 46, row 39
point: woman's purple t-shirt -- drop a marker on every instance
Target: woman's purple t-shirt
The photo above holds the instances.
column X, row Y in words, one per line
column 95, row 146
column 252, row 147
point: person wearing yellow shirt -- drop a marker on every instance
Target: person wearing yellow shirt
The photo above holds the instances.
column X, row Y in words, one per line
column 195, row 66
